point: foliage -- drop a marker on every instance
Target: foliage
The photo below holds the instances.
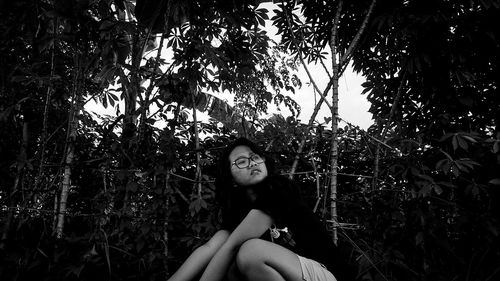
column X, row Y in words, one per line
column 138, row 203
column 436, row 98
column 431, row 79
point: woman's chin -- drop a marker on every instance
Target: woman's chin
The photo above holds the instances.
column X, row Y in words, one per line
column 256, row 179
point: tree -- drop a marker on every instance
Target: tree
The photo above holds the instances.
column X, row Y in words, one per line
column 425, row 80
column 307, row 39
column 82, row 174
column 418, row 188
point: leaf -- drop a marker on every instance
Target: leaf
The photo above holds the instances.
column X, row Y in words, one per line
column 263, row 13
column 139, row 245
column 469, row 138
column 437, row 189
column 261, row 21
column 111, row 101
column 203, row 203
column 443, row 164
column 19, row 78
column 455, row 170
column 419, row 238
column 197, row 205
column 492, row 227
column 446, row 184
column 105, row 102
column 462, row 143
column 425, row 188
column 77, row 270
column 132, row 186
column 495, row 181
column 468, row 162
column 113, row 96
column 268, row 96
column 445, row 137
column 475, row 191
column 145, row 228
column 367, row 84
column 454, row 142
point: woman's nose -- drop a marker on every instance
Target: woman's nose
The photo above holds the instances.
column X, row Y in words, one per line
column 252, row 163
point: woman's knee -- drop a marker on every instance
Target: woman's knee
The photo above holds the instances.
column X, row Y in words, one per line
column 223, row 233
column 251, row 254
column 218, row 239
column 258, row 259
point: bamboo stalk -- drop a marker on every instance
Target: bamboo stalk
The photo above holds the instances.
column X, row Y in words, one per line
column 197, row 147
column 335, row 112
column 66, row 183
column 46, row 107
column 316, row 88
column 166, row 224
column 338, row 68
column 70, row 148
column 68, row 162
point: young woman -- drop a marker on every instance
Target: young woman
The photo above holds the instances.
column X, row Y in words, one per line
column 267, row 233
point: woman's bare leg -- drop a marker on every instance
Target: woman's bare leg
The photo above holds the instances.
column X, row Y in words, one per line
column 259, row 260
column 233, row 274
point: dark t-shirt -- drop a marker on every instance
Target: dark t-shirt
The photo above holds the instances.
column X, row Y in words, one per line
column 279, row 198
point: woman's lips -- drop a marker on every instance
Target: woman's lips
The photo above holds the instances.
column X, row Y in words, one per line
column 254, row 171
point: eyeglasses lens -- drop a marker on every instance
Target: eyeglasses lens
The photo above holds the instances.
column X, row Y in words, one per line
column 243, row 163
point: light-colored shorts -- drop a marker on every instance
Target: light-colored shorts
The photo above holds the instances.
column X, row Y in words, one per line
column 314, row 271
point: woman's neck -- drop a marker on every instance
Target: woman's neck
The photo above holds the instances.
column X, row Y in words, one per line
column 251, row 195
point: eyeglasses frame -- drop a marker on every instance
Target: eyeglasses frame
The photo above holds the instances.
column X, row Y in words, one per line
column 250, row 159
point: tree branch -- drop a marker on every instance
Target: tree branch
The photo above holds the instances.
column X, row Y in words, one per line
column 354, row 43
column 386, row 129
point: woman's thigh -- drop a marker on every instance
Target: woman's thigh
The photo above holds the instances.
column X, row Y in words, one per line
column 258, row 252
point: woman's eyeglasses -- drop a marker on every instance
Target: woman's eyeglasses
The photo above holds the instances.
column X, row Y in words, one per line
column 244, row 162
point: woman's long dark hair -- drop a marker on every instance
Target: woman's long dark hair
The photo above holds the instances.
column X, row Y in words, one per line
column 230, row 198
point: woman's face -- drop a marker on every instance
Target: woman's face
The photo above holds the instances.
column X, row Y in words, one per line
column 247, row 168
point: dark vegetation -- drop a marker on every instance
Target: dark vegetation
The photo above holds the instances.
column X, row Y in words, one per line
column 127, row 196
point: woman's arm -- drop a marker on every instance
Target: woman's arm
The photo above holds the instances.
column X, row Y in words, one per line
column 252, row 226
column 200, row 257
